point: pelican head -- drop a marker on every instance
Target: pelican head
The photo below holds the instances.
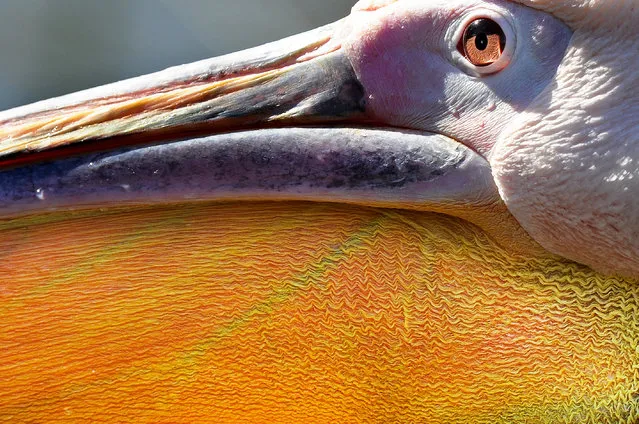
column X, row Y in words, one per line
column 486, row 110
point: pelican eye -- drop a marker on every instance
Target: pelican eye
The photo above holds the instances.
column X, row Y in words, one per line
column 483, row 42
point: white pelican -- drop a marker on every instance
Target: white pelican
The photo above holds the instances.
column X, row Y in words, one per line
column 516, row 116
column 546, row 88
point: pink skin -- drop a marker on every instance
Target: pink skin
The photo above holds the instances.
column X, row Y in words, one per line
column 405, row 55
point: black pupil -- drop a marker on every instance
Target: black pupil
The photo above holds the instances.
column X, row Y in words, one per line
column 481, row 29
column 481, row 42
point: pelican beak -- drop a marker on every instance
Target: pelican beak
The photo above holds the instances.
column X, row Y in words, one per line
column 302, row 80
column 286, row 121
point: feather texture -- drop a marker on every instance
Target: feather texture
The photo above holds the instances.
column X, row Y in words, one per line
column 303, row 313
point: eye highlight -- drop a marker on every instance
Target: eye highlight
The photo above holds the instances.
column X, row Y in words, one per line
column 483, row 42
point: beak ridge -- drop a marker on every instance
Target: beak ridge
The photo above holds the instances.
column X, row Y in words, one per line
column 303, row 80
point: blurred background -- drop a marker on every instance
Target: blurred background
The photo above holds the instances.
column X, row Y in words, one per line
column 52, row 47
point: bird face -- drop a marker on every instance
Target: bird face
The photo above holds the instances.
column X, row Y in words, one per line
column 419, row 72
column 407, row 104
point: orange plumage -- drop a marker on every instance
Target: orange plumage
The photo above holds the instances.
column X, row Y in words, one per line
column 303, row 313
